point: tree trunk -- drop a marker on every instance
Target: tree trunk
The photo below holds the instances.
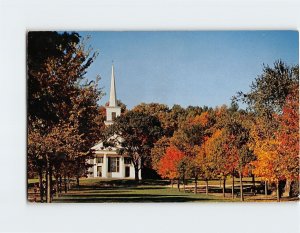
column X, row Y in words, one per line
column 241, row 187
column 46, row 185
column 136, row 174
column 178, row 184
column 253, row 181
column 60, row 183
column 266, row 188
column 77, row 174
column 41, row 185
column 183, row 181
column 56, row 186
column 77, row 181
column 196, row 181
column 65, row 183
column 172, row 182
column 69, row 183
column 48, row 180
column 287, row 188
column 206, row 182
column 224, row 186
column 277, row 191
column 51, row 183
column 232, row 188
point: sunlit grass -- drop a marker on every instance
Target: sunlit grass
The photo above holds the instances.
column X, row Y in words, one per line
column 97, row 190
column 100, row 190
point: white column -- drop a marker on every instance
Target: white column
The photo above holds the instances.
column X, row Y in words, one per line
column 140, row 174
column 122, row 168
column 104, row 166
column 95, row 167
column 140, row 171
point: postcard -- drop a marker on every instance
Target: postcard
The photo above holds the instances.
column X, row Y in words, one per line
column 162, row 116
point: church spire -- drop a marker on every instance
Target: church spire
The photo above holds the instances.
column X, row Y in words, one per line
column 112, row 96
column 112, row 110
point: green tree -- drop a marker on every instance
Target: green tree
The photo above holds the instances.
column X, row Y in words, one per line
column 136, row 133
column 269, row 91
column 161, row 111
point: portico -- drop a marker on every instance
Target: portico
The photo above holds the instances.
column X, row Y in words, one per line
column 111, row 165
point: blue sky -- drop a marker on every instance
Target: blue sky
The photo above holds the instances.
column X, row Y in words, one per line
column 186, row 67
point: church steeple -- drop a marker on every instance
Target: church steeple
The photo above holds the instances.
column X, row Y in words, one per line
column 112, row 110
column 112, row 96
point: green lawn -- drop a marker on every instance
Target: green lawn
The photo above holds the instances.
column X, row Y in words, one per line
column 97, row 190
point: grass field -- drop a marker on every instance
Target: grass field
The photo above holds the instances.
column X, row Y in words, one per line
column 92, row 190
column 97, row 190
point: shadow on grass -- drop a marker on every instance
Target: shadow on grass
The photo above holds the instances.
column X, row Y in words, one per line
column 128, row 183
column 93, row 187
column 131, row 198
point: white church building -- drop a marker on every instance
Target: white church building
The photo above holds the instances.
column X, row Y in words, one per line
column 107, row 163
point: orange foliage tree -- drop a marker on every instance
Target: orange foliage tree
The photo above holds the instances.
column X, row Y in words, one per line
column 267, row 163
column 278, row 156
column 168, row 166
column 208, row 156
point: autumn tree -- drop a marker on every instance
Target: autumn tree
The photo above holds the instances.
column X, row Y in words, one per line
column 170, row 164
column 266, row 100
column 85, row 113
column 268, row 163
column 43, row 46
column 220, row 159
column 62, row 106
column 211, row 159
column 225, row 156
column 288, row 138
column 204, row 165
column 158, row 151
column 238, row 133
column 48, row 148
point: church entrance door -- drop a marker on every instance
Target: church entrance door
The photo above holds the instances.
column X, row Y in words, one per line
column 127, row 171
column 99, row 171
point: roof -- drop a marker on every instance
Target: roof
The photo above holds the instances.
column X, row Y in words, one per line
column 100, row 147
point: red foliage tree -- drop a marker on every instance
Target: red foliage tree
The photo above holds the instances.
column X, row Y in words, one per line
column 169, row 163
column 288, row 138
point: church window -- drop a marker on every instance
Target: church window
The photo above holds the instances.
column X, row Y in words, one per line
column 127, row 160
column 113, row 164
column 113, row 115
column 100, row 160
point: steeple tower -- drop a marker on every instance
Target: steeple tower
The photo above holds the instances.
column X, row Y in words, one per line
column 112, row 110
column 112, row 96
